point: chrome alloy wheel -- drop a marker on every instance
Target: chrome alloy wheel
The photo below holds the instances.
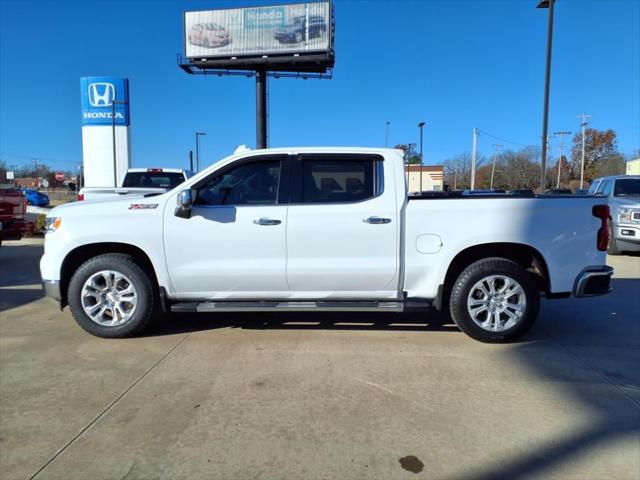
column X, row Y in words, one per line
column 496, row 303
column 109, row 298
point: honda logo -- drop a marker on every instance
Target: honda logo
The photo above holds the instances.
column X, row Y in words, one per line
column 101, row 94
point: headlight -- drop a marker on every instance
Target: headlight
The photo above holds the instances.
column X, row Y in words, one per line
column 628, row 215
column 51, row 224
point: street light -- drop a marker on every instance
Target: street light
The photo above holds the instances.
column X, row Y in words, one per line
column 545, row 117
column 420, row 126
column 386, row 133
column 198, row 150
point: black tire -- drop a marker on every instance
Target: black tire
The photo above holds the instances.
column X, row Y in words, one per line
column 612, row 248
column 146, row 298
column 473, row 274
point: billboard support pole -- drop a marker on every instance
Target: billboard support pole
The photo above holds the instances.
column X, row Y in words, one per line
column 261, row 108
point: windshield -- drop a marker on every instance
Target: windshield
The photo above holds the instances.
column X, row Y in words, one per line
column 152, row 180
column 627, row 187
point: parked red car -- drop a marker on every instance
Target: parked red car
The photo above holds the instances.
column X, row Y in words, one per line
column 13, row 207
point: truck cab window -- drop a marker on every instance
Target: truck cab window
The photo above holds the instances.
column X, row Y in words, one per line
column 603, row 185
column 340, row 181
column 254, row 183
column 592, row 188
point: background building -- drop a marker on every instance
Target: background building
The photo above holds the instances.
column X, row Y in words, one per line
column 432, row 177
column 633, row 167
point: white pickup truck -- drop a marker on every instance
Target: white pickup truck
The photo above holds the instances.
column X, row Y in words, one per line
column 297, row 229
column 139, row 182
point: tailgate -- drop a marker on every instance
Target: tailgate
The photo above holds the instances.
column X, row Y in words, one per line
column 12, row 204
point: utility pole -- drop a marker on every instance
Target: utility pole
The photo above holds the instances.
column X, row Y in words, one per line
column 191, row 160
column 386, row 133
column 562, row 134
column 421, row 126
column 497, row 147
column 584, row 124
column 547, row 80
column 474, row 152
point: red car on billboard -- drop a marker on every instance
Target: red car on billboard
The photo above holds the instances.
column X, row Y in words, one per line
column 209, row 35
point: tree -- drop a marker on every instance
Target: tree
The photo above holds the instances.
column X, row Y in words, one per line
column 599, row 145
column 411, row 156
column 520, row 170
column 611, row 165
column 457, row 171
column 566, row 170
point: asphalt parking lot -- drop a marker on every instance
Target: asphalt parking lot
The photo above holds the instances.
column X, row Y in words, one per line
column 318, row 396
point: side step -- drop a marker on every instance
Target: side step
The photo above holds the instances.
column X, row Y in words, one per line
column 300, row 306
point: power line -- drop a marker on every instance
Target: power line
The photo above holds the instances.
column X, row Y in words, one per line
column 505, row 140
column 29, row 158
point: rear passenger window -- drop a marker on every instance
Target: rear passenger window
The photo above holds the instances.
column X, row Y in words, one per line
column 339, row 181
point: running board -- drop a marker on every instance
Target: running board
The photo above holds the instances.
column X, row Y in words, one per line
column 299, row 306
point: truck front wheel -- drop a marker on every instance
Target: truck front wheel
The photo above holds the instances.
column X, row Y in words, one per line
column 494, row 300
column 110, row 296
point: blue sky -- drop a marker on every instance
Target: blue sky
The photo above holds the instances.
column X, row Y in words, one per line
column 454, row 64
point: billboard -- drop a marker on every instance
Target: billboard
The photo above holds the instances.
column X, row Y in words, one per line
column 291, row 30
column 97, row 95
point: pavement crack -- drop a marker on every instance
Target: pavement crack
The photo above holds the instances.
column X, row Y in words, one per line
column 109, row 407
column 390, row 392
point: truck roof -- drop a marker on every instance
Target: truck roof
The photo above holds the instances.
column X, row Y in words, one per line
column 156, row 169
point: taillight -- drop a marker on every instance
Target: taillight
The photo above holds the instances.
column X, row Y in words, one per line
column 602, row 212
column 154, row 170
column 80, row 197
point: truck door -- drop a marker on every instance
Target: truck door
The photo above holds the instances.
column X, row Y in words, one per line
column 343, row 230
column 234, row 243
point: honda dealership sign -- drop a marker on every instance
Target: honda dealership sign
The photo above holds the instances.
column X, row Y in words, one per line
column 289, row 30
column 98, row 95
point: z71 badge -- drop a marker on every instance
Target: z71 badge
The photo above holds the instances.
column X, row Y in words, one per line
column 142, row 206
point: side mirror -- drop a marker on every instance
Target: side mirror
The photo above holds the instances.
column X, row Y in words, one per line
column 184, row 201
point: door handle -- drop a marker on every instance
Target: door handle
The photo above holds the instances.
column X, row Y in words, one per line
column 377, row 220
column 267, row 221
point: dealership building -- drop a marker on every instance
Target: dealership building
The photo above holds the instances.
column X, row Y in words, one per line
column 432, row 177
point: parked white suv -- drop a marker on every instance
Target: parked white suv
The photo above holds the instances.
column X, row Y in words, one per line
column 296, row 229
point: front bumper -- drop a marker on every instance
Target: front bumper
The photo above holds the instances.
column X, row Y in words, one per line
column 629, row 233
column 593, row 281
column 52, row 289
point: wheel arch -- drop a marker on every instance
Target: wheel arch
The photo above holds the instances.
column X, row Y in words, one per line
column 524, row 255
column 76, row 257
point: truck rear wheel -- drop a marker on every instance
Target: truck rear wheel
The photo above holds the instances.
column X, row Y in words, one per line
column 494, row 300
column 110, row 296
